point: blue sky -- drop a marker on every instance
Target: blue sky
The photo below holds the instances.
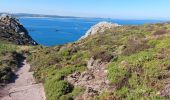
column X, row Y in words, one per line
column 119, row 9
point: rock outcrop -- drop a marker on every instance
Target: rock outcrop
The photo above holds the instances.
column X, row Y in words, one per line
column 99, row 28
column 12, row 31
column 94, row 80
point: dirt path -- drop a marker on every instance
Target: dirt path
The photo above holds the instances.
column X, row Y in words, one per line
column 24, row 87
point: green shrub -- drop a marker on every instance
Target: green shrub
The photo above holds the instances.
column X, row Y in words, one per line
column 5, row 74
column 7, row 47
column 55, row 89
column 153, row 42
column 164, row 43
column 135, row 45
column 103, row 55
column 71, row 96
column 9, row 61
column 160, row 32
column 117, row 73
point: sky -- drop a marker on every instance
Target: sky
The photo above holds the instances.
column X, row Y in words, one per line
column 118, row 9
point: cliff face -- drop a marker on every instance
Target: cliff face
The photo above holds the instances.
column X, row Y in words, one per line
column 12, row 31
column 99, row 28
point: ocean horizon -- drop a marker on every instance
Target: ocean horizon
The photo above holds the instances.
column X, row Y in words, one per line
column 58, row 31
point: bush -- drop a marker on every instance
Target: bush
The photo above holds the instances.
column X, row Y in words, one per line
column 5, row 74
column 135, row 45
column 160, row 32
column 117, row 73
column 9, row 61
column 104, row 56
column 71, row 96
column 55, row 89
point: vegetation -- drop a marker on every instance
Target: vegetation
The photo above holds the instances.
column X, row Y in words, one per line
column 138, row 56
column 9, row 61
column 52, row 65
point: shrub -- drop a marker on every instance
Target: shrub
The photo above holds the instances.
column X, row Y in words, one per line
column 135, row 45
column 5, row 74
column 164, row 42
column 117, row 73
column 9, row 61
column 71, row 96
column 55, row 89
column 65, row 52
column 153, row 42
column 103, row 55
column 160, row 32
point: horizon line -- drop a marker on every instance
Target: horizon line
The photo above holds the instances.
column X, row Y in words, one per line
column 55, row 15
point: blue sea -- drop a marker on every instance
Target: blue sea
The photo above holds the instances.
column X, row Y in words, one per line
column 59, row 31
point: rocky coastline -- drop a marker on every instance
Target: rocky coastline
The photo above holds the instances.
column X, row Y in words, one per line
column 13, row 31
column 100, row 28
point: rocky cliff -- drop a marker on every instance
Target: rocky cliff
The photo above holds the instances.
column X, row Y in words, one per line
column 99, row 28
column 12, row 31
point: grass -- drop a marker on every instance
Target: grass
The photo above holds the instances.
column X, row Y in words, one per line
column 9, row 60
column 7, row 47
column 51, row 67
column 144, row 72
column 138, row 56
column 56, row 87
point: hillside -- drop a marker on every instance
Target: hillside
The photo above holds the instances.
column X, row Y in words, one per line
column 119, row 62
column 12, row 34
column 125, row 62
column 12, row 31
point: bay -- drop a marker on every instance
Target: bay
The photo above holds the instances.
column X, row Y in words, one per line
column 59, row 31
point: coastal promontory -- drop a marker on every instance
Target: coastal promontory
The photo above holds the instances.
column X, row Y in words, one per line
column 13, row 31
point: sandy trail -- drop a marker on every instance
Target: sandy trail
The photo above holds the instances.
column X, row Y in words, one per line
column 24, row 87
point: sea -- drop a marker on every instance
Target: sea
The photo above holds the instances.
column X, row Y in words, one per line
column 59, row 31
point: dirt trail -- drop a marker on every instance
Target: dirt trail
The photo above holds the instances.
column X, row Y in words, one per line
column 24, row 87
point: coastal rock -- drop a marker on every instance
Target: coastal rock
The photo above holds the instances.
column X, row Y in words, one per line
column 12, row 31
column 99, row 28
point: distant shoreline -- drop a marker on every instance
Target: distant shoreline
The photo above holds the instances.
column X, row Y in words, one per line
column 34, row 17
column 28, row 15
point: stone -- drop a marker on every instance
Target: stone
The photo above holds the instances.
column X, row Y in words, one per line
column 22, row 33
column 90, row 63
column 124, row 64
